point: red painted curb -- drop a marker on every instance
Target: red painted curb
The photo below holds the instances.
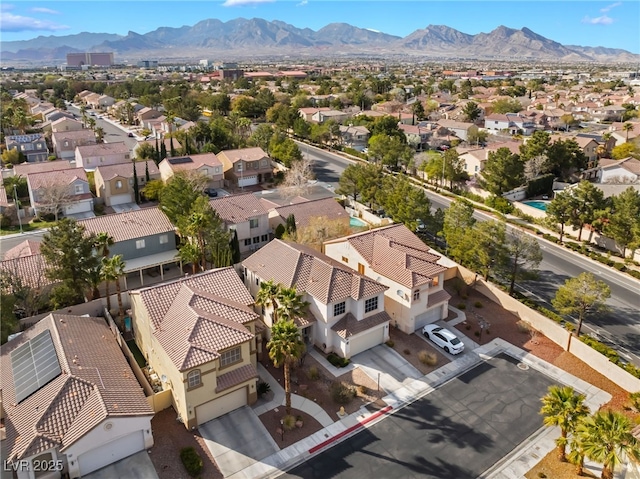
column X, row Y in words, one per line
column 350, row 430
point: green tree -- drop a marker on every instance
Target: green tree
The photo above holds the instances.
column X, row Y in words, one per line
column 389, row 150
column 261, row 136
column 372, row 178
column 12, row 157
column 350, row 182
column 267, row 297
column 8, row 321
column 524, row 254
column 564, row 408
column 152, row 189
column 458, row 219
column 536, row 146
column 235, row 248
column 560, row 210
column 290, row 226
column 487, row 251
column 284, row 150
column 285, row 347
column 418, row 110
column 146, row 151
column 564, row 157
column 68, row 252
column 606, row 438
column 471, row 111
column 588, row 199
column 581, row 296
column 177, row 196
column 136, row 185
column 625, row 150
column 403, row 202
column 291, row 305
column 113, row 270
column 503, row 172
column 627, row 127
column 506, row 105
column 624, row 220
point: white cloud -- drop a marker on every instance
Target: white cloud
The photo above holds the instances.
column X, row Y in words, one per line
column 302, row 3
column 609, row 7
column 18, row 23
column 240, row 3
column 602, row 20
column 44, row 10
column 5, row 7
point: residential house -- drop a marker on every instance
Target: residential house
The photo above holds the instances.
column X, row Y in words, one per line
column 65, row 123
column 327, row 209
column 205, row 164
column 4, row 201
column 145, row 238
column 322, row 116
column 355, row 137
column 57, row 115
column 147, row 113
column 65, row 142
column 621, row 136
column 23, row 169
column 32, row 146
column 459, row 128
column 246, row 166
column 308, row 112
column 623, row 171
column 245, row 215
column 474, row 160
column 497, row 122
column 513, row 123
column 607, row 113
column 26, row 248
column 417, row 136
column 90, row 157
column 65, row 191
column 198, row 335
column 346, row 312
column 114, row 183
column 589, row 147
column 397, row 258
column 101, row 102
column 69, row 397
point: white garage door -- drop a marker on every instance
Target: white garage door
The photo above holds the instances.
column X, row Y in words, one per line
column 218, row 407
column 79, row 207
column 366, row 340
column 110, row 452
column 430, row 316
column 120, row 199
column 248, row 181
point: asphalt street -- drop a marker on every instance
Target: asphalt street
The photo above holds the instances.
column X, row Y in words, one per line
column 457, row 431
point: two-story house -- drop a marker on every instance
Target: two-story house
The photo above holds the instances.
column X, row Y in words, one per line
column 205, row 164
column 32, row 146
column 198, row 335
column 497, row 122
column 63, row 192
column 247, row 216
column 147, row 113
column 90, row 157
column 346, row 313
column 145, row 238
column 64, row 123
column 115, row 185
column 459, row 128
column 355, row 137
column 65, row 142
column 397, row 258
column 625, row 171
column 326, row 209
column 23, row 169
column 246, row 166
column 69, row 398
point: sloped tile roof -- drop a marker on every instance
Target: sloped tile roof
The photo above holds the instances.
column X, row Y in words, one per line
column 246, row 154
column 100, row 149
column 60, row 136
column 438, row 297
column 25, row 168
column 129, row 225
column 26, row 248
column 56, row 177
column 306, row 210
column 236, row 209
column 349, row 326
column 235, row 377
column 28, row 268
column 125, row 170
column 96, row 382
column 197, row 161
column 310, row 272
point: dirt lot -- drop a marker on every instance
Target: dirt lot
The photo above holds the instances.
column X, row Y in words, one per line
column 271, row 421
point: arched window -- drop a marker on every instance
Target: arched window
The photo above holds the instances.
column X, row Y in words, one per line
column 193, row 378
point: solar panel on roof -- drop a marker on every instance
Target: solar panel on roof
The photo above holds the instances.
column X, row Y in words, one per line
column 179, row 161
column 34, row 364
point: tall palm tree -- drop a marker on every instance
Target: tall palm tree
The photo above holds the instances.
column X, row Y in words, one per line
column 606, row 438
column 190, row 253
column 285, row 347
column 83, row 111
column 102, row 243
column 627, row 127
column 267, row 297
column 99, row 134
column 576, row 453
column 113, row 270
column 564, row 408
column 171, row 121
column 290, row 304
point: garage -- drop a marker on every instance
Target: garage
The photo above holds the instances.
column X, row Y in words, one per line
column 366, row 340
column 120, row 199
column 248, row 180
column 430, row 316
column 222, row 405
column 79, row 207
column 110, row 452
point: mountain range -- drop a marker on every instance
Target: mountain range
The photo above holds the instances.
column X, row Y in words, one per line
column 245, row 38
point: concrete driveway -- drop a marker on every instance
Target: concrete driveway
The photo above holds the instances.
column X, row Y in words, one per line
column 237, row 440
column 394, row 370
column 137, row 466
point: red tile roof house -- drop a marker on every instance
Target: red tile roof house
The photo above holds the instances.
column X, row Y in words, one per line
column 206, row 164
column 198, row 335
column 102, row 154
column 61, row 191
column 65, row 142
column 328, row 209
column 412, row 275
column 68, row 395
column 114, row 183
column 346, row 312
column 246, row 166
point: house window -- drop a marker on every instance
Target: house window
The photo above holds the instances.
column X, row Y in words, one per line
column 345, row 259
column 416, row 295
column 247, row 242
column 253, row 223
column 217, row 169
column 264, row 162
column 239, row 167
column 230, row 357
column 339, row 308
column 126, row 156
column 264, row 238
column 257, row 282
column 360, row 268
column 66, row 143
column 164, row 239
column 371, row 304
column 256, row 239
column 79, row 189
column 193, row 379
column 435, row 281
column 140, row 244
column 118, row 184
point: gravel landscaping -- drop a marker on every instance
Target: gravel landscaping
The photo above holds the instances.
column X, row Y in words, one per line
column 271, row 421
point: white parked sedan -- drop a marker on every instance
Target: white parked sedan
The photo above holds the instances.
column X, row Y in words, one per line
column 443, row 338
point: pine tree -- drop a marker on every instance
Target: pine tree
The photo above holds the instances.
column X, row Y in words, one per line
column 163, row 151
column 290, row 225
column 136, row 187
column 157, row 158
column 235, row 248
column 146, row 171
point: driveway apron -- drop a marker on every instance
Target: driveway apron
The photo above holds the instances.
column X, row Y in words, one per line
column 386, row 364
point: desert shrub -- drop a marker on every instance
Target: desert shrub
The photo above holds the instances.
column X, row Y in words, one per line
column 634, row 273
column 542, row 475
column 462, row 306
column 430, row 359
column 191, row 460
column 477, row 333
column 478, row 304
column 407, row 352
column 337, row 361
column 551, row 315
column 390, row 343
column 313, row 373
column 5, row 221
column 342, row 393
column 363, row 390
column 523, row 326
column 620, row 267
column 263, row 388
column 467, row 327
column 487, row 331
column 634, row 399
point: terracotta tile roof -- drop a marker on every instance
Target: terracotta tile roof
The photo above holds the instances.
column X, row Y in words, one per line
column 246, row 154
column 630, row 164
column 47, row 178
column 235, row 377
column 3, row 197
column 349, row 326
column 26, row 248
column 310, row 272
column 125, row 170
column 99, row 149
column 306, row 320
column 60, row 136
column 438, row 297
column 96, row 383
column 304, row 211
column 129, row 225
column 25, row 168
column 236, row 209
column 192, row 162
column 29, row 269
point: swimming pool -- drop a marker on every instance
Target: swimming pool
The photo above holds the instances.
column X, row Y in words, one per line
column 540, row 205
column 356, row 222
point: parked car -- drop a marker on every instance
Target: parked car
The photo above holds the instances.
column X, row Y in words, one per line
column 130, row 135
column 443, row 338
column 211, row 192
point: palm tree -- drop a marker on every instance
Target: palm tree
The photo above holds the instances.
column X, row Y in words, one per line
column 290, row 304
column 99, row 134
column 627, row 127
column 171, row 121
column 285, row 347
column 102, row 242
column 564, row 408
column 190, row 253
column 606, row 438
column 83, row 111
column 576, row 454
column 267, row 297
column 113, row 270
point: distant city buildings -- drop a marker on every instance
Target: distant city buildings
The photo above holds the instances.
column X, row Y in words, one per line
column 90, row 59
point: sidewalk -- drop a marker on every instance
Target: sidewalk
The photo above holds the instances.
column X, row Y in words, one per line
column 512, row 466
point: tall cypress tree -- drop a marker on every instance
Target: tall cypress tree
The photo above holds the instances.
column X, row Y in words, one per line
column 235, row 248
column 136, row 187
column 163, row 151
column 146, row 171
column 157, row 158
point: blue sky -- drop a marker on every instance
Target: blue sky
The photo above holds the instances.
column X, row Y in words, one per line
column 614, row 24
